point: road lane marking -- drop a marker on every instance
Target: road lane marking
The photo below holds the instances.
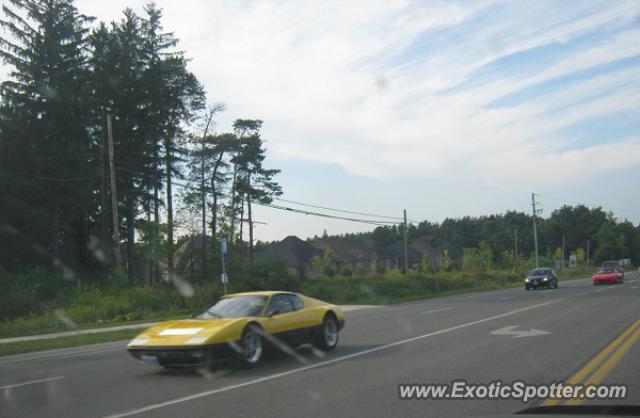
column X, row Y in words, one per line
column 322, row 363
column 59, row 356
column 599, row 375
column 507, row 298
column 599, row 359
column 436, row 310
column 511, row 331
column 32, row 382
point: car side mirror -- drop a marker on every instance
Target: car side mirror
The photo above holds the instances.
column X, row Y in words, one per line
column 274, row 313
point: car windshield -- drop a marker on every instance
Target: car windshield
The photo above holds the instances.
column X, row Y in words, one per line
column 539, row 272
column 235, row 307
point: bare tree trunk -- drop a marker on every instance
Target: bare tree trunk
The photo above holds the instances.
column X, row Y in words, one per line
column 204, row 221
column 55, row 234
column 214, row 209
column 156, row 241
column 241, row 217
column 250, row 228
column 203, row 192
column 233, row 202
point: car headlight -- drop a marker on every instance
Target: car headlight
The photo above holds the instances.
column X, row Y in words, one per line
column 196, row 340
column 545, row 279
column 139, row 341
column 526, row 280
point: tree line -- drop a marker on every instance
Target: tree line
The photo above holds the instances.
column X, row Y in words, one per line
column 591, row 232
column 73, row 84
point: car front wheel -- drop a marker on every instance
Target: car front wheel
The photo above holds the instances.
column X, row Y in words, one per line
column 327, row 338
column 251, row 347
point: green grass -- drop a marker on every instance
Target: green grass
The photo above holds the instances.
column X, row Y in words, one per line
column 66, row 342
column 98, row 308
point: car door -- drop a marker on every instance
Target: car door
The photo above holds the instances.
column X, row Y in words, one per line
column 281, row 321
column 306, row 319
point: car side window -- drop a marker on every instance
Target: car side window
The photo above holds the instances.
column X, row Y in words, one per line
column 281, row 304
column 296, row 302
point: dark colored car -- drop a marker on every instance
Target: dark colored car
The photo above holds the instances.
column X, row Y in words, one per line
column 541, row 277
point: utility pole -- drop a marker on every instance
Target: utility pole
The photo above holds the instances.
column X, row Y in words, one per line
column 535, row 228
column 114, row 197
column 103, row 197
column 588, row 248
column 563, row 257
column 406, row 245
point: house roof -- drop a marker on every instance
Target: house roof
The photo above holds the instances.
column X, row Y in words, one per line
column 292, row 250
column 344, row 250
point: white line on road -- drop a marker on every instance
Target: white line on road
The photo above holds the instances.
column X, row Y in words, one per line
column 436, row 310
column 59, row 356
column 507, row 298
column 322, row 363
column 49, row 379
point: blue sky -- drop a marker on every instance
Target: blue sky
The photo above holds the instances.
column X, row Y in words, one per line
column 443, row 108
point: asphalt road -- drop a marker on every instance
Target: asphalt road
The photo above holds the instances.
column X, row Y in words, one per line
column 471, row 337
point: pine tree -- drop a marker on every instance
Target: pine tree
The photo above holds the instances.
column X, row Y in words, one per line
column 46, row 150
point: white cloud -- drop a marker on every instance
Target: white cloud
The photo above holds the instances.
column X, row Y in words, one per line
column 392, row 89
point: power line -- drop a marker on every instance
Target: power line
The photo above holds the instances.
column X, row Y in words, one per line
column 324, row 215
column 341, row 210
column 278, row 207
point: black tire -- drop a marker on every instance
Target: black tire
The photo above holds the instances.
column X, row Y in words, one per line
column 252, row 346
column 527, row 287
column 556, row 285
column 327, row 337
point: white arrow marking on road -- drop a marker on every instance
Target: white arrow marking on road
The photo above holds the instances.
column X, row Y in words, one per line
column 510, row 331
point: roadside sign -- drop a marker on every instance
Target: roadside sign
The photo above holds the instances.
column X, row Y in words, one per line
column 223, row 244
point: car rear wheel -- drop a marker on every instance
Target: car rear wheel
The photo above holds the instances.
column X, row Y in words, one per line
column 251, row 347
column 327, row 338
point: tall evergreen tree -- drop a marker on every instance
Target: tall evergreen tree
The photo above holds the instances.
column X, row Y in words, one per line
column 46, row 151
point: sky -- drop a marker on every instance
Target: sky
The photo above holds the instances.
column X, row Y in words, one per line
column 442, row 108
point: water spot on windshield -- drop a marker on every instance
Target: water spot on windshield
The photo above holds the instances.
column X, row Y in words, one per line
column 62, row 317
column 183, row 286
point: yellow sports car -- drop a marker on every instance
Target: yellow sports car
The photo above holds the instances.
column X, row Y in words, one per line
column 239, row 326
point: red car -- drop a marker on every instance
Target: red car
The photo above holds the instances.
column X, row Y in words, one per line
column 607, row 275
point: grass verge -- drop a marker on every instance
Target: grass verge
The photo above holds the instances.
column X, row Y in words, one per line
column 87, row 339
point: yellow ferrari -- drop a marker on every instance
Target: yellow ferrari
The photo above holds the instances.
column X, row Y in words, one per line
column 240, row 326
